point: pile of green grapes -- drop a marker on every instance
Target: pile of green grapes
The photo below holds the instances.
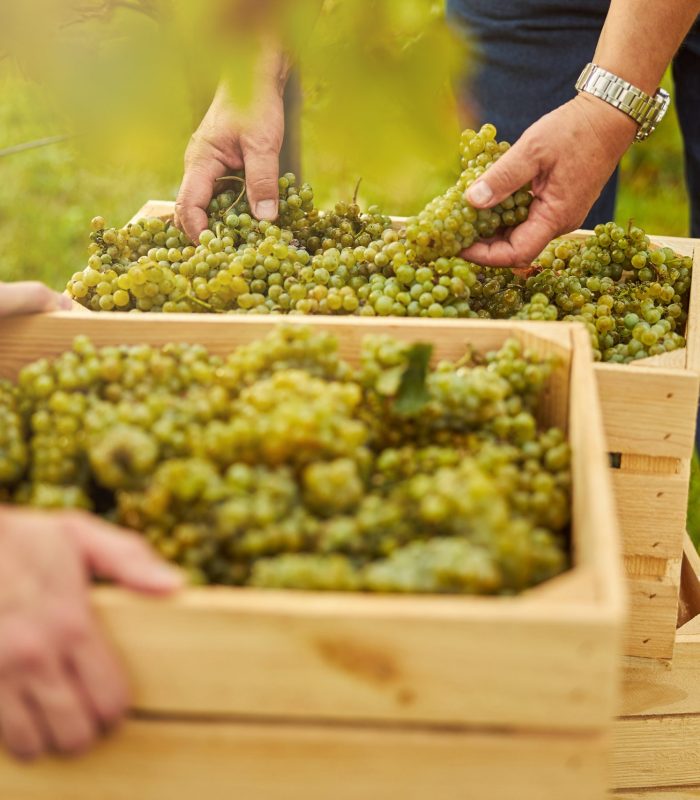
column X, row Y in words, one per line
column 632, row 298
column 282, row 465
column 309, row 262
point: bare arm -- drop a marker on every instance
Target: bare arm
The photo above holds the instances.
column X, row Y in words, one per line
column 570, row 153
column 630, row 23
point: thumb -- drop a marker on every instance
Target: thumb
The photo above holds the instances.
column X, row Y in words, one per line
column 121, row 556
column 262, row 180
column 513, row 170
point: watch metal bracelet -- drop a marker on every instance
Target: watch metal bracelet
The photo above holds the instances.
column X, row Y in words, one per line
column 645, row 110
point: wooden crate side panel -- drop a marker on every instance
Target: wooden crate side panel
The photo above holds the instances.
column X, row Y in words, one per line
column 651, row 752
column 670, row 687
column 429, row 660
column 648, row 411
column 651, row 626
column 652, row 510
column 597, row 534
column 163, row 209
column 168, row 760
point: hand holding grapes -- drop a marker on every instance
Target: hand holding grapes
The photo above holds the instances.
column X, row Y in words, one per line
column 232, row 139
column 568, row 156
column 60, row 682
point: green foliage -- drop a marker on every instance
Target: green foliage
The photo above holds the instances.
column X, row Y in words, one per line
column 49, row 194
column 653, row 191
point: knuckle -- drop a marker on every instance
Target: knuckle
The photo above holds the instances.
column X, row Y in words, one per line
column 78, row 738
column 265, row 143
column 72, row 520
column 114, row 706
column 71, row 625
column 130, row 545
column 263, row 185
column 23, row 743
column 25, row 650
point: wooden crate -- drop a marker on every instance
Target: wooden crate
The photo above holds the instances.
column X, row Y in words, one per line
column 656, row 740
column 240, row 692
column 649, row 411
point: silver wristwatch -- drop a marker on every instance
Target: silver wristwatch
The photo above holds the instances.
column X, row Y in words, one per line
column 646, row 111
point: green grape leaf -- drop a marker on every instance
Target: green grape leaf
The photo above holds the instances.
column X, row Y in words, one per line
column 412, row 394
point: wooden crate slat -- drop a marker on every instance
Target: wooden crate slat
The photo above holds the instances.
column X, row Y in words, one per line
column 650, row 629
column 664, row 688
column 675, row 359
column 654, row 527
column 170, row 760
column 351, row 657
column 658, row 751
column 648, row 411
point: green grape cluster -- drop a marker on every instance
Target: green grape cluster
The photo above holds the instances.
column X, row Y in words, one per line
column 13, row 449
column 633, row 298
column 282, row 465
column 448, row 224
column 311, row 261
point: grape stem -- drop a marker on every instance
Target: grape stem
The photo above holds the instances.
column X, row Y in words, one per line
column 242, row 192
column 203, row 304
column 357, row 191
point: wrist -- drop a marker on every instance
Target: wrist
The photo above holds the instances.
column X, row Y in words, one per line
column 612, row 125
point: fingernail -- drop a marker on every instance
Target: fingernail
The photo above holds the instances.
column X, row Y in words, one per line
column 64, row 303
column 266, row 209
column 480, row 193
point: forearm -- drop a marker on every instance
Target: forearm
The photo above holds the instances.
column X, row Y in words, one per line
column 640, row 38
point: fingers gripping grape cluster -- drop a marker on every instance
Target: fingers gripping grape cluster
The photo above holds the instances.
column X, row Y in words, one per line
column 272, row 466
column 448, row 224
column 342, row 261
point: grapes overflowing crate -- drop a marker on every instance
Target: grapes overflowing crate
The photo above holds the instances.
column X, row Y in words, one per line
column 351, row 693
column 649, row 417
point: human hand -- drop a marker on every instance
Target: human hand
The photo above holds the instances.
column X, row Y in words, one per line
column 229, row 139
column 30, row 297
column 60, row 682
column 568, row 155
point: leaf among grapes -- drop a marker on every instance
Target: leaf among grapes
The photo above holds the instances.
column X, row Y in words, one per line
column 412, row 394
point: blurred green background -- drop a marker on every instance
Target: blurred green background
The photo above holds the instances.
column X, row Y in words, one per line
column 48, row 196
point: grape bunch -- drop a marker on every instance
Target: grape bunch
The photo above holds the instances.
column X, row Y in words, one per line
column 283, row 465
column 448, row 224
column 632, row 297
column 311, row 261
